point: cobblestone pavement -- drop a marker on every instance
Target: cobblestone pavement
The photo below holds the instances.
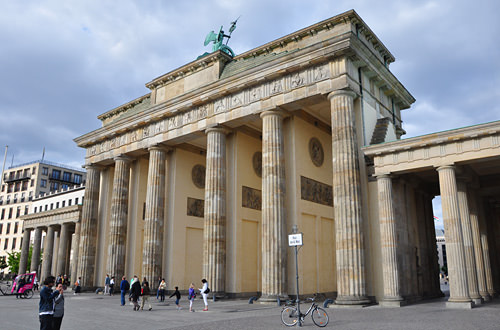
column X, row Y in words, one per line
column 90, row 311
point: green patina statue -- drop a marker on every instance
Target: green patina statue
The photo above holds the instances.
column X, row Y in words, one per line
column 218, row 40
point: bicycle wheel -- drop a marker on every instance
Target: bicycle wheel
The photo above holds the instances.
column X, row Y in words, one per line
column 320, row 317
column 289, row 316
column 28, row 294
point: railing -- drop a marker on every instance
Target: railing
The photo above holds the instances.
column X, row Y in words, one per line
column 46, row 162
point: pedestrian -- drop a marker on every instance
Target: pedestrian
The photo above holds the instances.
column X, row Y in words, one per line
column 177, row 295
column 46, row 305
column 146, row 292
column 124, row 287
column 111, row 285
column 204, row 293
column 132, row 280
column 135, row 293
column 158, row 290
column 78, row 287
column 162, row 287
column 106, row 284
column 58, row 308
column 191, row 296
column 35, row 285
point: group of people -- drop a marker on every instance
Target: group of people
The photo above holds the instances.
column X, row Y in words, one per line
column 109, row 285
column 136, row 290
column 51, row 306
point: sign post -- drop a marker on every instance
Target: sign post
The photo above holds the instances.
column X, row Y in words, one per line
column 295, row 239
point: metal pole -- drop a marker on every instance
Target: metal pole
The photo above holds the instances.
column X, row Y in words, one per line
column 297, row 278
column 3, row 167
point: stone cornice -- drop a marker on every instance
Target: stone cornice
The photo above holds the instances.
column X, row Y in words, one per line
column 52, row 217
column 123, row 107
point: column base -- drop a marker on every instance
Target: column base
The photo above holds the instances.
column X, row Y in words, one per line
column 272, row 299
column 486, row 297
column 352, row 301
column 393, row 303
column 459, row 304
column 477, row 301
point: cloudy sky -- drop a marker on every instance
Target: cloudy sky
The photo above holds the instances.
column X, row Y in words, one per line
column 62, row 63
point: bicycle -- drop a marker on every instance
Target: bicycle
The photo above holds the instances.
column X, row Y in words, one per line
column 290, row 315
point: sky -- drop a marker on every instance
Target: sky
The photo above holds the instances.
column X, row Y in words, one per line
column 63, row 63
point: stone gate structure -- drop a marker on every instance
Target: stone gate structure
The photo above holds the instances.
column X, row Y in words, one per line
column 205, row 175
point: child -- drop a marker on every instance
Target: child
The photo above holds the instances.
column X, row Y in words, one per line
column 192, row 295
column 177, row 295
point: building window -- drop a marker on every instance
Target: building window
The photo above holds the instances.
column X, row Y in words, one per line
column 69, row 202
column 56, row 174
column 14, row 243
column 8, row 229
column 67, row 176
column 17, row 186
column 6, row 244
column 15, row 198
column 64, row 186
column 10, row 213
column 46, row 207
column 51, row 206
column 34, row 170
column 54, row 186
column 35, row 210
column 18, row 212
column 57, row 205
column 26, row 208
column 63, row 203
column 45, row 171
column 1, row 227
column 16, row 227
column 43, row 183
column 25, row 185
column 76, row 201
column 3, row 188
column 77, row 178
column 3, row 214
column 32, row 182
column 10, row 188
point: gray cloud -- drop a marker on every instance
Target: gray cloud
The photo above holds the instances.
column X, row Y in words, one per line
column 64, row 63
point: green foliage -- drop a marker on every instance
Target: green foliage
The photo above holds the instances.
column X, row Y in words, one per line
column 3, row 262
column 14, row 259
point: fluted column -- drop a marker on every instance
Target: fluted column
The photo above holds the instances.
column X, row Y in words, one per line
column 153, row 221
column 214, row 256
column 388, row 242
column 88, row 235
column 55, row 249
column 118, row 221
column 76, row 252
column 63, row 248
column 459, row 291
column 274, row 246
column 48, row 249
column 35, row 255
column 351, row 285
column 25, row 249
column 486, row 249
column 478, row 250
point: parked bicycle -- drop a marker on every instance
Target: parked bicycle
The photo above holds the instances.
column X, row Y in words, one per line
column 290, row 315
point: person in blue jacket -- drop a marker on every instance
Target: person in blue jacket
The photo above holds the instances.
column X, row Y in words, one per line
column 46, row 305
column 124, row 287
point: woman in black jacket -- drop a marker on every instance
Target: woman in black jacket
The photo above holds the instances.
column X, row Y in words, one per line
column 135, row 292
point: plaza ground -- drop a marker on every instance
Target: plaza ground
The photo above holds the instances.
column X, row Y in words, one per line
column 91, row 311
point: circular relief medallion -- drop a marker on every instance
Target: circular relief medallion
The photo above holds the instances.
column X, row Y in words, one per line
column 316, row 152
column 198, row 176
column 257, row 163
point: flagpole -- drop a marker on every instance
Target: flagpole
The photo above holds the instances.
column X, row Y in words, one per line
column 3, row 167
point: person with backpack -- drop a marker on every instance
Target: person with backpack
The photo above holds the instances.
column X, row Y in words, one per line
column 124, row 287
column 204, row 293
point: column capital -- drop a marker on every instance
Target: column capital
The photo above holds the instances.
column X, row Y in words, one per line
column 124, row 158
column 446, row 167
column 276, row 112
column 92, row 167
column 384, row 176
column 347, row 92
column 220, row 129
column 160, row 148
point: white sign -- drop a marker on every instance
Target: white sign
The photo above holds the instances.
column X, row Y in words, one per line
column 295, row 239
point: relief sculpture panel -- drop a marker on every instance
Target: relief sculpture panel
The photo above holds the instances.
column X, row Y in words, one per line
column 251, row 198
column 315, row 191
column 195, row 207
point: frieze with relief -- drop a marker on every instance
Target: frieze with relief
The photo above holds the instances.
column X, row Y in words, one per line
column 315, row 191
column 223, row 104
column 195, row 207
column 251, row 198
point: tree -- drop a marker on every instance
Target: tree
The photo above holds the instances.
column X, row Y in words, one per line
column 14, row 258
column 3, row 262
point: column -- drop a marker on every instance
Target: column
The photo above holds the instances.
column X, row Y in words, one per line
column 55, row 250
column 35, row 255
column 459, row 291
column 153, row 222
column 274, row 245
column 47, row 253
column 351, row 284
column 25, row 249
column 76, row 247
column 478, row 250
column 118, row 221
column 63, row 248
column 214, row 249
column 388, row 242
column 486, row 249
column 470, row 259
column 88, row 236
column 431, row 243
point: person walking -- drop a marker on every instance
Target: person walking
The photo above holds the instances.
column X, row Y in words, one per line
column 124, row 287
column 177, row 295
column 204, row 293
column 135, row 293
column 58, row 308
column 158, row 290
column 191, row 296
column 146, row 292
column 106, row 284
column 111, row 285
column 46, row 305
column 162, row 287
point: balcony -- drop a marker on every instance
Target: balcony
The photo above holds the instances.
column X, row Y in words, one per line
column 16, row 178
